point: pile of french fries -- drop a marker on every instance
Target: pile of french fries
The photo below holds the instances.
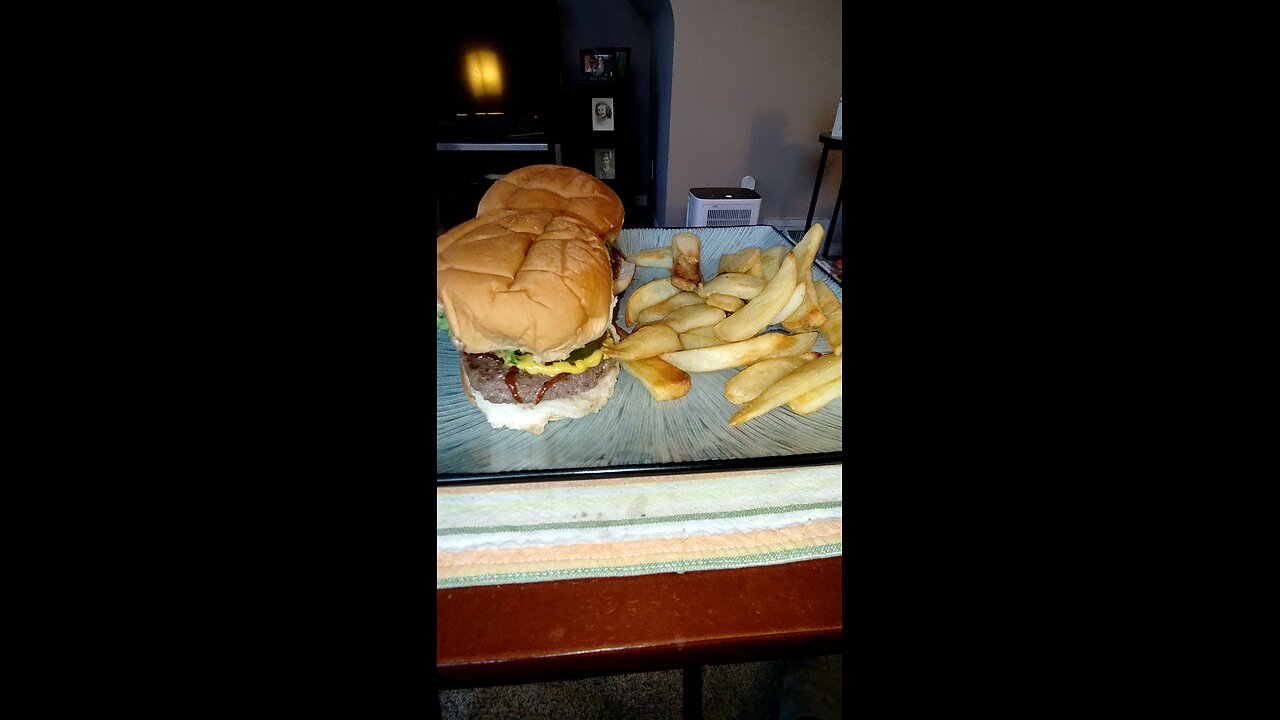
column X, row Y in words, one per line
column 683, row 325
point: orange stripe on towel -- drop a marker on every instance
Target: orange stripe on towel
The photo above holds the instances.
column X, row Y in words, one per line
column 639, row 551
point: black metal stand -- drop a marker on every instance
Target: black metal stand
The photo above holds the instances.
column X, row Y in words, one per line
column 828, row 143
column 692, row 699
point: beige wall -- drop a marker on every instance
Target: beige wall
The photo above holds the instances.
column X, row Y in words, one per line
column 754, row 82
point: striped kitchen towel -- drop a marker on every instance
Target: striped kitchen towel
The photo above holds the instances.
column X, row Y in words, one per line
column 528, row 532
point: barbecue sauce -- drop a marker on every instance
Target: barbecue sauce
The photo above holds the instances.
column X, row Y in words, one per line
column 510, row 379
column 616, row 258
column 548, row 384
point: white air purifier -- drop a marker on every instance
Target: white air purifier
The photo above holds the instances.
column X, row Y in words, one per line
column 722, row 207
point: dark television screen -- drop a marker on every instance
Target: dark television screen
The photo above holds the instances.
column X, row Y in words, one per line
column 497, row 73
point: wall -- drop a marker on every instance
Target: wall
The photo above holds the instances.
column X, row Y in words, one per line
column 754, row 82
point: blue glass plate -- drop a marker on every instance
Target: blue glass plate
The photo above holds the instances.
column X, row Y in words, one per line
column 634, row 434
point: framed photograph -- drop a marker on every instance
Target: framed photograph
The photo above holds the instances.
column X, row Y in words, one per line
column 605, row 167
column 604, row 64
column 602, row 114
column 598, row 65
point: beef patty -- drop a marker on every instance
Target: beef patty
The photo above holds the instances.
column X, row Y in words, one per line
column 487, row 375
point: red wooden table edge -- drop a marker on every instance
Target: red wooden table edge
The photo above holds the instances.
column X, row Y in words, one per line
column 499, row 632
column 621, row 661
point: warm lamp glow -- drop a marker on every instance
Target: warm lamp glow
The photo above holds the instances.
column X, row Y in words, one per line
column 484, row 76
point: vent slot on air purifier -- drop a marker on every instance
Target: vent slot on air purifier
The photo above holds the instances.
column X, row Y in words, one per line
column 723, row 218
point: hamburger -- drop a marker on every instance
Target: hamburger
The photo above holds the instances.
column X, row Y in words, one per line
column 527, row 291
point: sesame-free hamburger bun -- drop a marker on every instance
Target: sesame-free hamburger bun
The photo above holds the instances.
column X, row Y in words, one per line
column 563, row 190
column 524, row 280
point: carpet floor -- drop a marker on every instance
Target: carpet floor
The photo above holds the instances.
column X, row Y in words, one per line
column 773, row 690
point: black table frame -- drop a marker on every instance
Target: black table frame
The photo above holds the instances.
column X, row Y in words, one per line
column 828, row 143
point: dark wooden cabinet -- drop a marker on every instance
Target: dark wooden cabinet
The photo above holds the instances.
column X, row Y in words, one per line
column 607, row 147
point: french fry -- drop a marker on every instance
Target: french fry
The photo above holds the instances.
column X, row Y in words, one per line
column 750, row 382
column 657, row 311
column 650, row 293
column 738, row 354
column 739, row 285
column 654, row 258
column 728, row 303
column 705, row 331
column 833, row 328
column 827, row 299
column 691, row 341
column 771, row 259
column 693, row 316
column 744, row 261
column 807, row 249
column 809, row 376
column 626, row 271
column 808, row 316
column 760, row 310
column 686, row 262
column 648, row 341
column 796, row 296
column 662, row 380
column 795, row 345
column 818, row 398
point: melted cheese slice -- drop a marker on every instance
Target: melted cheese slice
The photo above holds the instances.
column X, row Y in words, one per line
column 529, row 365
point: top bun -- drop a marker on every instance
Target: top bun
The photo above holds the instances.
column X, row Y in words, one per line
column 531, row 272
column 564, row 190
column 533, row 279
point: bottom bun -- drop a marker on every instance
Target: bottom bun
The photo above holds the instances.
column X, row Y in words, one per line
column 534, row 418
